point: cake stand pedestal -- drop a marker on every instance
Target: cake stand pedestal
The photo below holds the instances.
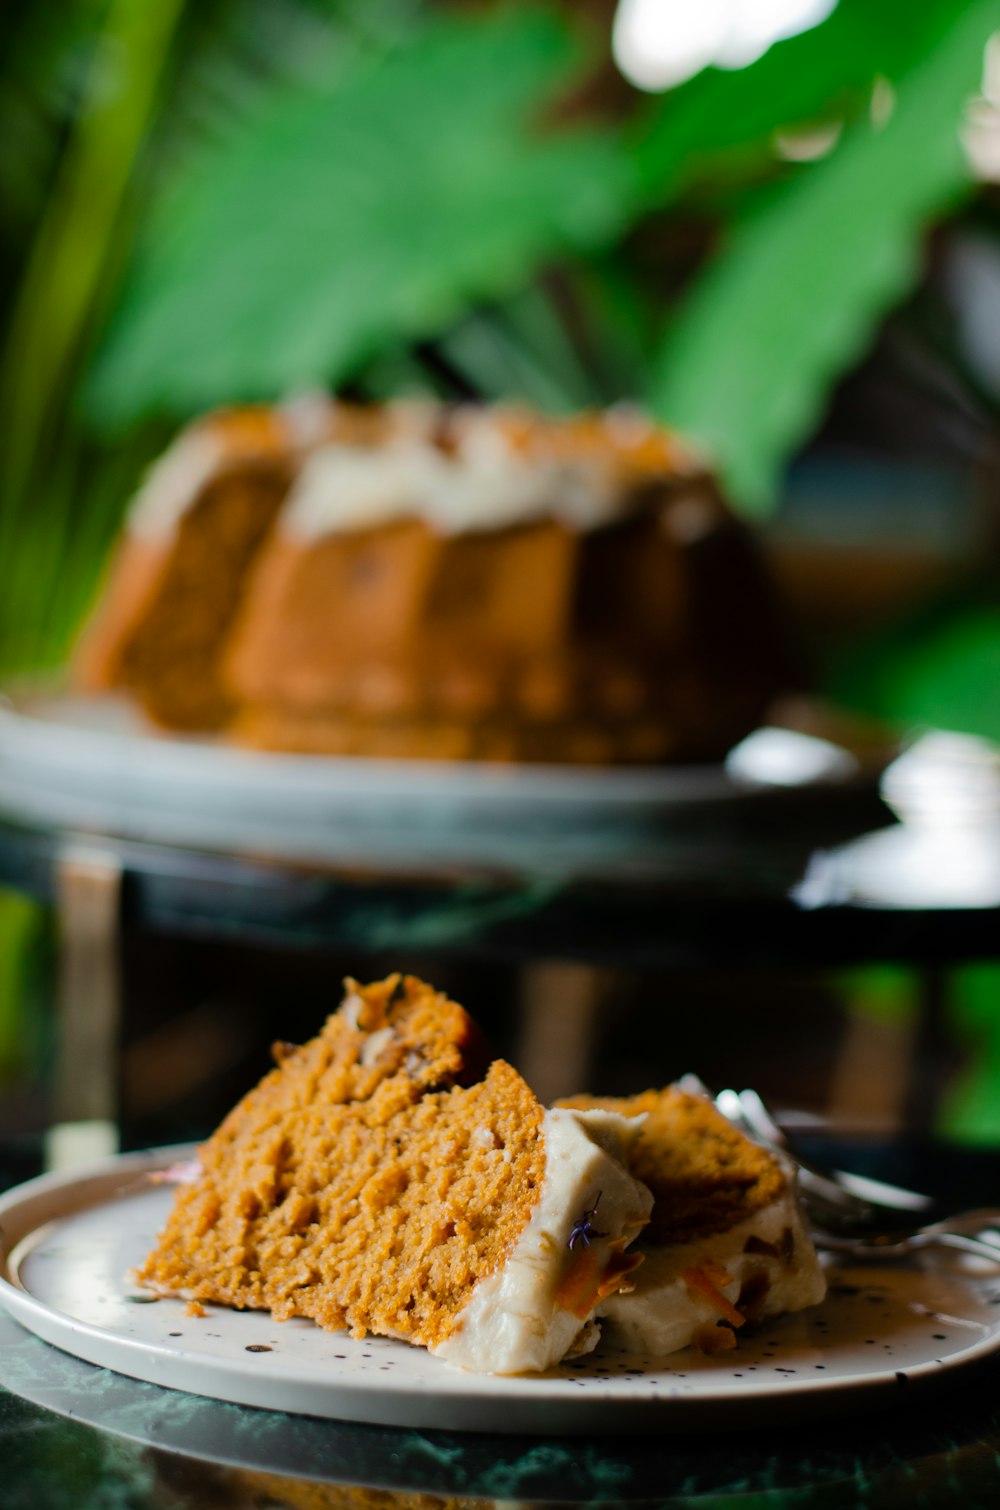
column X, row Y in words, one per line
column 560, row 872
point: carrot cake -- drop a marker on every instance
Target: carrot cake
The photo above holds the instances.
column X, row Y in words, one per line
column 177, row 576
column 726, row 1243
column 375, row 1181
column 466, row 582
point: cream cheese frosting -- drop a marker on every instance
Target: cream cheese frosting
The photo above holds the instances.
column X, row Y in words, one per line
column 664, row 1311
column 484, row 484
column 482, row 479
column 516, row 1320
column 174, row 481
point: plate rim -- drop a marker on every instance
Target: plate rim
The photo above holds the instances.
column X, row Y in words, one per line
column 511, row 1405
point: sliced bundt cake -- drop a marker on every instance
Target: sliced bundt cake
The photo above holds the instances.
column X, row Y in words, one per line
column 373, row 1182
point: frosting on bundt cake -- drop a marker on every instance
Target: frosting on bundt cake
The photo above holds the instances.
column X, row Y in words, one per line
column 499, row 586
column 371, row 1182
column 726, row 1243
column 178, row 574
column 462, row 582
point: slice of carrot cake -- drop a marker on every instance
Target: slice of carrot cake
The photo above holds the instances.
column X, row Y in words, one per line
column 726, row 1243
column 373, row 1182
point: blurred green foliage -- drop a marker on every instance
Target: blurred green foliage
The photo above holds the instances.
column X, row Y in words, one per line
column 396, row 197
column 938, row 671
column 25, row 1028
column 971, row 1113
column 234, row 200
column 795, row 294
column 230, row 199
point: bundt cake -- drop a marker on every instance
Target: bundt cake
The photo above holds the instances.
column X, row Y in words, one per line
column 178, row 574
column 372, row 1182
column 725, row 1244
column 413, row 579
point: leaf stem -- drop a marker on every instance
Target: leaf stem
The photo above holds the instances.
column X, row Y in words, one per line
column 75, row 249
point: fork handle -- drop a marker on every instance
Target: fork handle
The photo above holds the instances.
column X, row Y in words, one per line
column 858, row 1248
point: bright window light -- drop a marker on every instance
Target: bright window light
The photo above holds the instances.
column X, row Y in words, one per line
column 756, row 25
column 981, row 129
column 991, row 69
column 660, row 43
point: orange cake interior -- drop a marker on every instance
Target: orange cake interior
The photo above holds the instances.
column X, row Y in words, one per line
column 355, row 1139
column 377, row 1181
column 172, row 591
column 726, row 1243
column 381, row 1179
column 705, row 1175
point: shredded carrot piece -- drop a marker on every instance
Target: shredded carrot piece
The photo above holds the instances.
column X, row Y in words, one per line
column 579, row 1286
column 714, row 1339
column 704, row 1279
column 619, row 1268
column 715, row 1273
column 585, row 1282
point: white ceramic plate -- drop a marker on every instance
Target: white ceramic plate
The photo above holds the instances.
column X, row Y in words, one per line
column 69, row 1241
column 90, row 763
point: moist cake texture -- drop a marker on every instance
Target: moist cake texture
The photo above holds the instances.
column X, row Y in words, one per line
column 362, row 1184
column 705, row 1175
column 381, row 1178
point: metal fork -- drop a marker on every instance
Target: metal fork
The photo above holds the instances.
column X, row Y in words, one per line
column 841, row 1205
column 835, row 1200
column 975, row 1232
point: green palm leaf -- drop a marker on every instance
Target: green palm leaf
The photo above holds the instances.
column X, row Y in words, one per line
column 823, row 74
column 344, row 219
column 792, row 296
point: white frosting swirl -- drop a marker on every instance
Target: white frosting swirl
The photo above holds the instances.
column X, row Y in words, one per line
column 662, row 1313
column 513, row 1322
column 173, row 481
column 484, row 485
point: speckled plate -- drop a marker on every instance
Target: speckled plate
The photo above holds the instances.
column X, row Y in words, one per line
column 69, row 1241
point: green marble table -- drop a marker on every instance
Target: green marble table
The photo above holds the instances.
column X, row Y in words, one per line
column 76, row 1436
